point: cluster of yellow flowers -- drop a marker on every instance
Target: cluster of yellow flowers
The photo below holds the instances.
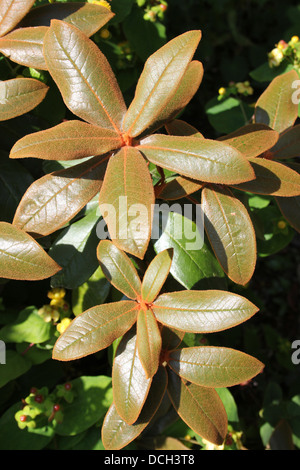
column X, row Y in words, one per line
column 57, row 307
column 102, row 3
column 282, row 50
column 243, row 88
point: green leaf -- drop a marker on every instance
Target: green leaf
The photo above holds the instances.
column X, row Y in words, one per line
column 11, row 12
column 252, row 140
column 199, row 407
column 182, row 128
column 288, row 144
column 21, row 257
column 28, row 327
column 214, row 367
column 130, row 383
column 119, row 269
column 228, row 114
column 92, row 398
column 75, row 250
column 272, row 178
column 202, row 311
column 19, row 96
column 193, row 262
column 15, row 366
column 148, row 341
column 126, row 201
column 67, row 141
column 145, row 37
column 84, row 76
column 201, row 159
column 275, row 106
column 230, row 232
column 155, row 275
column 54, row 199
column 158, row 82
column 116, row 433
column 92, row 292
column 95, row 329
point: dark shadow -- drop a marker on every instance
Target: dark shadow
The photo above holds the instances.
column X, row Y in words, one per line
column 261, row 116
column 265, row 182
column 42, row 15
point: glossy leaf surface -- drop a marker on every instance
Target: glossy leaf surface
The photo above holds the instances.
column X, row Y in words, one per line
column 288, row 145
column 119, row 269
column 95, row 329
column 252, row 140
column 148, row 341
column 116, row 433
column 130, row 383
column 25, row 46
column 54, row 199
column 272, row 178
column 215, row 367
column 66, row 141
column 199, row 407
column 22, row 258
column 156, row 275
column 158, row 82
column 231, row 233
column 275, row 106
column 202, row 159
column 20, row 95
column 83, row 76
column 126, row 200
column 11, row 12
column 202, row 311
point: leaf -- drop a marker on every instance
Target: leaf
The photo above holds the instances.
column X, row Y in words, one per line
column 87, row 17
column 230, row 232
column 116, row 433
column 252, row 140
column 92, row 398
column 92, row 292
column 275, row 106
column 178, row 188
column 272, row 178
column 214, row 367
column 119, row 269
column 11, row 12
column 22, row 258
column 130, row 383
column 158, row 82
column 19, row 96
column 155, row 275
column 182, row 128
column 28, row 327
column 54, row 199
column 193, row 262
column 25, row 46
column 16, row 365
column 288, row 144
column 186, row 90
column 66, row 141
column 202, row 311
column 126, row 201
column 148, row 341
column 95, row 329
column 83, row 76
column 199, row 407
column 75, row 251
column 290, row 209
column 201, row 159
column 228, row 114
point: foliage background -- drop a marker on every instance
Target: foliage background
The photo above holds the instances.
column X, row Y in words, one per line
column 237, row 36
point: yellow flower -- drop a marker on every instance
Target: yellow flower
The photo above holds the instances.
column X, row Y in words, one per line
column 294, row 39
column 281, row 224
column 104, row 33
column 103, row 3
column 57, row 302
column 57, row 293
column 222, row 91
column 275, row 57
column 63, row 325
